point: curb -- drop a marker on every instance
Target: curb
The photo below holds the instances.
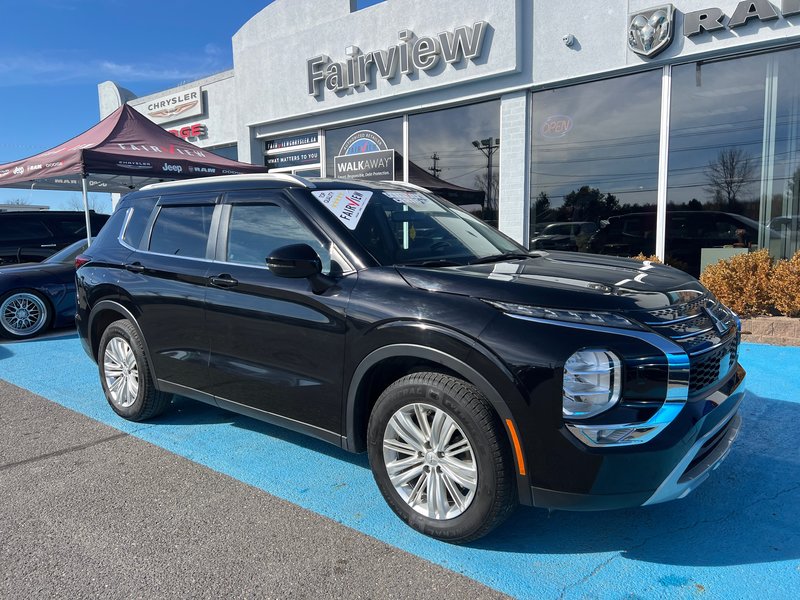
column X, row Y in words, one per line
column 778, row 331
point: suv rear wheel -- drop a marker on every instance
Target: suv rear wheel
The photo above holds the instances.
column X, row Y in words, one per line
column 438, row 457
column 125, row 374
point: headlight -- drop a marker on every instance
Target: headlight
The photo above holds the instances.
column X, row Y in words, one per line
column 592, row 383
column 603, row 319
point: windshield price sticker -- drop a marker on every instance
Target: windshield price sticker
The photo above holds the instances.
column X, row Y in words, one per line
column 410, row 198
column 346, row 205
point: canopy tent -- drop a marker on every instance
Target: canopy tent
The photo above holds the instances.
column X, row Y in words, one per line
column 450, row 191
column 123, row 152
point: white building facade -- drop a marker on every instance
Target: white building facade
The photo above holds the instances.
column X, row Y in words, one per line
column 628, row 127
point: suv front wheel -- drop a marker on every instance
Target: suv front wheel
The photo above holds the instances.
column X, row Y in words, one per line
column 125, row 374
column 438, row 457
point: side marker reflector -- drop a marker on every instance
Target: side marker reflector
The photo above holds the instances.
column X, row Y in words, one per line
column 517, row 447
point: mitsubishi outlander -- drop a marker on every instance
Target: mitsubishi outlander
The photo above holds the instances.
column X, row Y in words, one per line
column 375, row 316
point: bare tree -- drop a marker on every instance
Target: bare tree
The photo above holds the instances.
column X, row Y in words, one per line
column 19, row 202
column 492, row 196
column 728, row 175
column 96, row 204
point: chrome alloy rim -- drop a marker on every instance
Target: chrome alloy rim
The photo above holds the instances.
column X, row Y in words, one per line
column 430, row 461
column 23, row 314
column 121, row 372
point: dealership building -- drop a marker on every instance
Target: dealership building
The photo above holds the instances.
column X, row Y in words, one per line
column 626, row 126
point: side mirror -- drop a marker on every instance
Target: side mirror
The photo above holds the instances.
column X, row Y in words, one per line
column 295, row 261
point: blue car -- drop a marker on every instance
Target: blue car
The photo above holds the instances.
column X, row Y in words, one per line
column 37, row 296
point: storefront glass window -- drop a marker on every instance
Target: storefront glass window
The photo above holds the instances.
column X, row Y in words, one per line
column 734, row 163
column 231, row 151
column 455, row 153
column 366, row 151
column 594, row 167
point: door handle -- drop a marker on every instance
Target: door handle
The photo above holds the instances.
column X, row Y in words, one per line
column 135, row 267
column 224, row 281
column 48, row 246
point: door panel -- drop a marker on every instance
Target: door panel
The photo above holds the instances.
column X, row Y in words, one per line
column 167, row 283
column 275, row 345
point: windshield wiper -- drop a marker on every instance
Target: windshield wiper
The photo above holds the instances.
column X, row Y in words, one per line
column 504, row 256
column 439, row 262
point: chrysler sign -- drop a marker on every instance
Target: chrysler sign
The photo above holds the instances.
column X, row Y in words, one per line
column 181, row 105
column 409, row 55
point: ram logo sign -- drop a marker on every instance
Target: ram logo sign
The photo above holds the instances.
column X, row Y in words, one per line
column 650, row 31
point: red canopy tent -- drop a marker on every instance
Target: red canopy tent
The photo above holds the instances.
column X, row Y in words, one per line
column 123, row 152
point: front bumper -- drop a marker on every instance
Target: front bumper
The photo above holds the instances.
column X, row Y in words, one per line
column 691, row 460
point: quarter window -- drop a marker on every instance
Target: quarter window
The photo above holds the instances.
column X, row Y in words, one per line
column 182, row 231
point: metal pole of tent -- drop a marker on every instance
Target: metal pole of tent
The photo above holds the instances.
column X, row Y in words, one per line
column 86, row 213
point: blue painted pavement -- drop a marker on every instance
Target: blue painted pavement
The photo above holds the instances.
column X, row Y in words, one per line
column 737, row 536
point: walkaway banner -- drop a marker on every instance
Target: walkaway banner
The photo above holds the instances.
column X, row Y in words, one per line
column 124, row 151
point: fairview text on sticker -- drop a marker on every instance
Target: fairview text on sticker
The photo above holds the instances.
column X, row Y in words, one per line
column 346, row 205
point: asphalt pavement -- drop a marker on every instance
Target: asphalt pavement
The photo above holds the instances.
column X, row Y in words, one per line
column 87, row 511
column 204, row 503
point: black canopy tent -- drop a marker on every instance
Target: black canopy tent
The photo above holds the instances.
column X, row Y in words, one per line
column 123, row 152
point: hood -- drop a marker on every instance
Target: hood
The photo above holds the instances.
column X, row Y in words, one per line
column 569, row 280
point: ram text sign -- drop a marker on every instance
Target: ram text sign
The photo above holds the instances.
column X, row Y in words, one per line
column 650, row 31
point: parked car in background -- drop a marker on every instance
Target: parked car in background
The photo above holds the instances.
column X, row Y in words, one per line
column 688, row 232
column 32, row 236
column 380, row 318
column 35, row 297
column 571, row 236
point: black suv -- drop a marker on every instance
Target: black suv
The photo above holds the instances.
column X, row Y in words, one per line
column 32, row 236
column 383, row 319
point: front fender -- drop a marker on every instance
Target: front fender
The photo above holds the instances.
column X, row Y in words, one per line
column 452, row 351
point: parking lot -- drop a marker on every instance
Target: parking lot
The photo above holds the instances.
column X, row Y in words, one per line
column 322, row 529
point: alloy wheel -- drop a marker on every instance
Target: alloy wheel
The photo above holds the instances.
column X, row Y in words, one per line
column 429, row 461
column 23, row 314
column 121, row 372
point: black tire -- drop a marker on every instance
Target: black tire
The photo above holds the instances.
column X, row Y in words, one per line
column 24, row 314
column 494, row 497
column 145, row 401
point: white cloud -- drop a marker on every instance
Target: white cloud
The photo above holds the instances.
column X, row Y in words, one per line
column 33, row 70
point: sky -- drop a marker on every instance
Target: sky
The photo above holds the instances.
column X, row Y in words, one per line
column 54, row 53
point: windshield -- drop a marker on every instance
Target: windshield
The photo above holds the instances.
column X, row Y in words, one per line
column 413, row 228
column 68, row 254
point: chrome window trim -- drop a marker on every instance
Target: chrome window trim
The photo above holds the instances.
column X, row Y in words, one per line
column 677, row 388
column 124, row 228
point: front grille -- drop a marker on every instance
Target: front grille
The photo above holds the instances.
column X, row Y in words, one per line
column 707, row 331
column 707, row 368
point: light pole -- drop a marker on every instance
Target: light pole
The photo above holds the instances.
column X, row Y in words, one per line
column 488, row 146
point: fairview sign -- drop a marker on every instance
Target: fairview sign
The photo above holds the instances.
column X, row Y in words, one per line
column 408, row 56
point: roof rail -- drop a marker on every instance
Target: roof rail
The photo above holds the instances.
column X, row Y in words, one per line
column 301, row 181
column 410, row 186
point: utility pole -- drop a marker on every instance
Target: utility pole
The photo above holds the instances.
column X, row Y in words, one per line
column 488, row 146
column 435, row 168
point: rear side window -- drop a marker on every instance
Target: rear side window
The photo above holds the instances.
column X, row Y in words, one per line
column 23, row 229
column 182, row 230
column 72, row 227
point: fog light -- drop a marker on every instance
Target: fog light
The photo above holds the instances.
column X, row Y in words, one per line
column 592, row 383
